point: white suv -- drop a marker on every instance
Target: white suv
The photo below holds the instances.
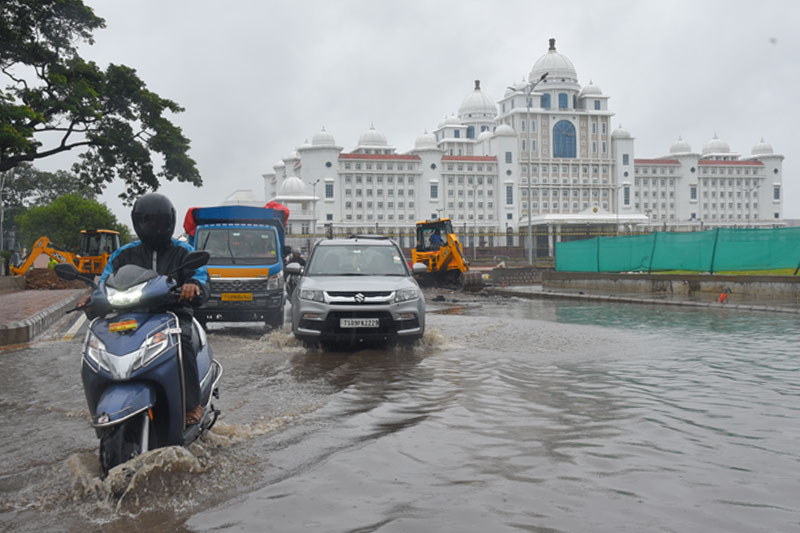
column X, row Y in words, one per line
column 356, row 290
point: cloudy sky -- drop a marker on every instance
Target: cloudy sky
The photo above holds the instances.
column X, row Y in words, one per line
column 257, row 78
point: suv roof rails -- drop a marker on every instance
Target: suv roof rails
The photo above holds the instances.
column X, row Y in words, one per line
column 369, row 236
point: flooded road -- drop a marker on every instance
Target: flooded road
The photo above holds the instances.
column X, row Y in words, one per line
column 511, row 415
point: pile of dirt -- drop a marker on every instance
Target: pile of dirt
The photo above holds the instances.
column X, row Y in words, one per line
column 44, row 278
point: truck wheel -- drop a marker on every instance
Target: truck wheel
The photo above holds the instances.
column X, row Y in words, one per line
column 275, row 319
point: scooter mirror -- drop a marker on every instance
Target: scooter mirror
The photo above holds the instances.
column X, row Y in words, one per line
column 67, row 271
column 195, row 259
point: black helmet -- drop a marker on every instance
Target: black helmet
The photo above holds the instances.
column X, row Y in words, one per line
column 153, row 218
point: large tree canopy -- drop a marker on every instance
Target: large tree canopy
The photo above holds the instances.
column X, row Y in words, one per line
column 55, row 101
column 63, row 220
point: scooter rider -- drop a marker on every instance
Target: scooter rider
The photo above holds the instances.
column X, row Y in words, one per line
column 153, row 217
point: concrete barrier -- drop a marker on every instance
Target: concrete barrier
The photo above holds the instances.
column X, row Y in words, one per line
column 783, row 288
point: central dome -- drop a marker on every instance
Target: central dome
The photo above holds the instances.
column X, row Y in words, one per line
column 372, row 137
column 556, row 66
column 716, row 146
column 477, row 105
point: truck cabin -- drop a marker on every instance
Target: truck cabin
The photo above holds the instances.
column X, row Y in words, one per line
column 254, row 245
column 431, row 235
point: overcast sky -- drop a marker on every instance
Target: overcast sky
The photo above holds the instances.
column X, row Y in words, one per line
column 257, row 78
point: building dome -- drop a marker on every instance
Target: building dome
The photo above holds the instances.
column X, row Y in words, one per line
column 293, row 186
column 323, row 138
column 452, row 120
column 485, row 135
column 504, row 130
column 763, row 148
column 425, row 141
column 680, row 147
column 372, row 137
column 620, row 133
column 279, row 164
column 518, row 86
column 716, row 146
column 477, row 104
column 590, row 90
column 556, row 66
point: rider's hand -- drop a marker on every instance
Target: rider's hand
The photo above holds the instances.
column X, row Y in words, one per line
column 84, row 300
column 188, row 292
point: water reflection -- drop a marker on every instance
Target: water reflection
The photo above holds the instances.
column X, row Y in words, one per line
column 606, row 417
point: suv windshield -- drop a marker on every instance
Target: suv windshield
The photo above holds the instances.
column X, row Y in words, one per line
column 239, row 246
column 356, row 260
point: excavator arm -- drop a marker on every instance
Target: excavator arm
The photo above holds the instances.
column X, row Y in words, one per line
column 42, row 246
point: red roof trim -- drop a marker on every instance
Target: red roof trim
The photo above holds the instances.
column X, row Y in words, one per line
column 656, row 162
column 384, row 157
column 715, row 162
column 468, row 158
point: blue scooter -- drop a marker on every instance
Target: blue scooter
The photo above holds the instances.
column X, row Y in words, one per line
column 132, row 363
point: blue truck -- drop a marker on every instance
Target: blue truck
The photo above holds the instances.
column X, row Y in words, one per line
column 245, row 270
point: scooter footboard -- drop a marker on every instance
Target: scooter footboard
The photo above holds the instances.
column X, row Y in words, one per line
column 122, row 401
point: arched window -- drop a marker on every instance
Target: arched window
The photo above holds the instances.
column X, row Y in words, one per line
column 564, row 139
column 470, row 132
column 563, row 101
column 546, row 101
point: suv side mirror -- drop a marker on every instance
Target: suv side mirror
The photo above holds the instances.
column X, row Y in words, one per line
column 294, row 269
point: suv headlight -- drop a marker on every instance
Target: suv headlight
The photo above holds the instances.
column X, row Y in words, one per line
column 404, row 295
column 130, row 296
column 314, row 296
column 276, row 281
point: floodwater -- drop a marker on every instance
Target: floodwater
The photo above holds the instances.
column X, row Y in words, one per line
column 511, row 415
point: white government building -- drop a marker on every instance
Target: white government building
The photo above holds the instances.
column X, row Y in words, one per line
column 544, row 156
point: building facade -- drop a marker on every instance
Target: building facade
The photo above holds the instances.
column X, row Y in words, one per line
column 543, row 159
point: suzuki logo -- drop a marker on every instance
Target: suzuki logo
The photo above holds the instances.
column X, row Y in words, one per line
column 359, row 298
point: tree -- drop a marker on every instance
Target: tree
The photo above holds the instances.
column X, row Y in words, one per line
column 63, row 220
column 25, row 186
column 55, row 101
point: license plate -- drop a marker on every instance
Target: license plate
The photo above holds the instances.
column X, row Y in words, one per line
column 123, row 325
column 237, row 296
column 359, row 323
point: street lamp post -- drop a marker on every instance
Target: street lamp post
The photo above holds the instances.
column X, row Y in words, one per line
column 750, row 205
column 528, row 91
column 314, row 208
column 475, row 222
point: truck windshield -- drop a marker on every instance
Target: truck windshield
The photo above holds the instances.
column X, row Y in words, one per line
column 239, row 246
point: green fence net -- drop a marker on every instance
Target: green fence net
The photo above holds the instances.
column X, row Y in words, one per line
column 722, row 249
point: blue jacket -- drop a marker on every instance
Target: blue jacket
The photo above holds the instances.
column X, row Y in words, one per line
column 164, row 262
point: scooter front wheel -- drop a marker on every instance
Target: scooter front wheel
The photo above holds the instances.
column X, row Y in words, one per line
column 121, row 442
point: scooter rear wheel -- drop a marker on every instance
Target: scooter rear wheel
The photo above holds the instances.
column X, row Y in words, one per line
column 119, row 444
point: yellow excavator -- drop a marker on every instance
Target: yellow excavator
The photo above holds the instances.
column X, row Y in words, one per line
column 95, row 249
column 439, row 249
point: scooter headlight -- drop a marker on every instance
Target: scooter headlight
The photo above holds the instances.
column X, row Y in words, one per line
column 276, row 281
column 95, row 352
column 154, row 346
column 122, row 298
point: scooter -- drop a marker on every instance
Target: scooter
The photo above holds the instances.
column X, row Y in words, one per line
column 132, row 367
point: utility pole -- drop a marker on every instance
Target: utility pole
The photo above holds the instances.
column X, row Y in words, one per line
column 528, row 92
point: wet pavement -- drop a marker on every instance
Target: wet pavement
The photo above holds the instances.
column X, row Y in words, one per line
column 513, row 413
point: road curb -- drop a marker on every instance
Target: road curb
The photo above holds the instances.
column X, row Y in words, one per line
column 627, row 299
column 29, row 329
